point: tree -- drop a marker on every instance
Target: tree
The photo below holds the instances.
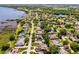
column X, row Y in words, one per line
column 62, row 31
column 12, row 37
column 72, row 30
column 74, row 46
column 22, row 22
column 59, row 21
column 5, row 47
column 46, row 39
column 54, row 49
column 68, row 25
column 47, row 29
column 33, row 36
column 78, row 36
column 59, row 36
column 54, row 27
column 26, row 39
column 65, row 42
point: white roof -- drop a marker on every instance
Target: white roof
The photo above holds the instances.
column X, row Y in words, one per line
column 20, row 41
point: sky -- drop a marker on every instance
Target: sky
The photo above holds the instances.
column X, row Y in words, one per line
column 39, row 1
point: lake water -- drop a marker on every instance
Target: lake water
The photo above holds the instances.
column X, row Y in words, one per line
column 60, row 15
column 10, row 13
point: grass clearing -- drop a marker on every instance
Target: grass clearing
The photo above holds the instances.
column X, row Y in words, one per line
column 35, row 44
column 21, row 49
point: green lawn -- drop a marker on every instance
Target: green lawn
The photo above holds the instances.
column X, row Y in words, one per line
column 12, row 44
column 2, row 52
column 24, row 52
column 4, row 38
column 21, row 49
column 33, row 52
column 35, row 44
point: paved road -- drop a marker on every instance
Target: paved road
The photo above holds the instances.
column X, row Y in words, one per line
column 30, row 39
column 22, row 47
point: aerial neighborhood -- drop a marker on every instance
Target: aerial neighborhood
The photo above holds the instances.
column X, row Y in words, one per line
column 44, row 30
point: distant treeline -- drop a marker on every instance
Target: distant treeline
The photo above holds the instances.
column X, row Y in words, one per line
column 47, row 9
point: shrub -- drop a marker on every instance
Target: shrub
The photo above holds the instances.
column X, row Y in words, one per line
column 12, row 37
column 5, row 47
